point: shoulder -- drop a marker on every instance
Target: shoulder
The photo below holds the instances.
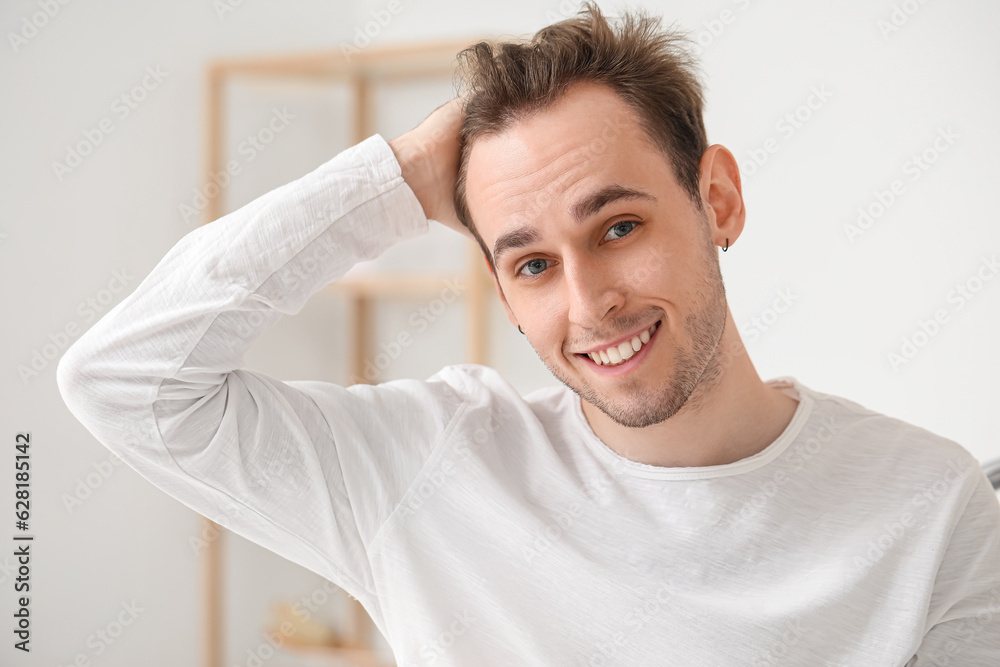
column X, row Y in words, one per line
column 484, row 388
column 888, row 445
column 479, row 379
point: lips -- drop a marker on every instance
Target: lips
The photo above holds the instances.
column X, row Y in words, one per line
column 624, row 350
column 625, row 366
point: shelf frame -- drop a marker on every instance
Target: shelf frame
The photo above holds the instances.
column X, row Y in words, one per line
column 360, row 70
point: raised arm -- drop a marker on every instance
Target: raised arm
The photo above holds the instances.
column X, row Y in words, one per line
column 428, row 156
column 309, row 470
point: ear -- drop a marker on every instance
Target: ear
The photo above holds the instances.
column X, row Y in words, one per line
column 722, row 193
column 503, row 299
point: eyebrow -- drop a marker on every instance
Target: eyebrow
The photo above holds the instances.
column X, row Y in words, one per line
column 587, row 207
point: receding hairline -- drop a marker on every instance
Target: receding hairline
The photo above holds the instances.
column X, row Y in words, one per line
column 648, row 67
column 524, row 114
column 645, row 131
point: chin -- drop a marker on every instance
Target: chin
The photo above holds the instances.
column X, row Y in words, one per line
column 635, row 404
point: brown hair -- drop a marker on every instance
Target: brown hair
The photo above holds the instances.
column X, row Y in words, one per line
column 649, row 69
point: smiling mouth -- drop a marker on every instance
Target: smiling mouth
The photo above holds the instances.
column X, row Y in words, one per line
column 617, row 355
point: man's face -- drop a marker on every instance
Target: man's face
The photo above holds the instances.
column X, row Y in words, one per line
column 576, row 285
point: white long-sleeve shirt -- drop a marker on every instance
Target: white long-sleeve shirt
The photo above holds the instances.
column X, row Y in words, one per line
column 481, row 527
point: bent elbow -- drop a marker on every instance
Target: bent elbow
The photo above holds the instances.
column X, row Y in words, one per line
column 113, row 406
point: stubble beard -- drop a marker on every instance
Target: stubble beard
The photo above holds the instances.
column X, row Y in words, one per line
column 696, row 368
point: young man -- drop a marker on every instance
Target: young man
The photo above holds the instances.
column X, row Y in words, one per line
column 665, row 506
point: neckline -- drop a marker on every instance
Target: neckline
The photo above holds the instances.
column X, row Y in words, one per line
column 620, row 464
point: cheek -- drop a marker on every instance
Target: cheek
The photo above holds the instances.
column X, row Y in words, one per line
column 547, row 316
column 650, row 266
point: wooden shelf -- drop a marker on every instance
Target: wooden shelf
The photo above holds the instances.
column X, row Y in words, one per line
column 307, row 636
column 389, row 285
column 402, row 60
column 360, row 657
column 362, row 71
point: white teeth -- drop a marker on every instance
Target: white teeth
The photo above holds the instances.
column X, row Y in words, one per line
column 623, row 351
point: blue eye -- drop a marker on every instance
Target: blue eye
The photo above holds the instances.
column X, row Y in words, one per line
column 618, row 225
column 529, row 263
column 537, row 266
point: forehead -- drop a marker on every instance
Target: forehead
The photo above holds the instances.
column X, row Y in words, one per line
column 541, row 166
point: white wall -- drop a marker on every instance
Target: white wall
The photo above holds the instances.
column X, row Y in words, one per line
column 853, row 302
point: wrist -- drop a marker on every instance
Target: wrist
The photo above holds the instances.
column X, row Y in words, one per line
column 412, row 166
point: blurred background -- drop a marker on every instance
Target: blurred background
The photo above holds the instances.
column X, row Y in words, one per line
column 867, row 138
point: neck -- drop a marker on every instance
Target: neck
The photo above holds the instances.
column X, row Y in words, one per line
column 731, row 415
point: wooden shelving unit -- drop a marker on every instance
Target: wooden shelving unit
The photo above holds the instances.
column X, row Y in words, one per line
column 363, row 70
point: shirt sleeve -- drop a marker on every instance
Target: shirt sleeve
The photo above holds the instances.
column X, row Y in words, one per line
column 309, row 470
column 963, row 625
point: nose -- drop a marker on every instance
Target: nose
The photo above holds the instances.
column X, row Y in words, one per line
column 593, row 292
